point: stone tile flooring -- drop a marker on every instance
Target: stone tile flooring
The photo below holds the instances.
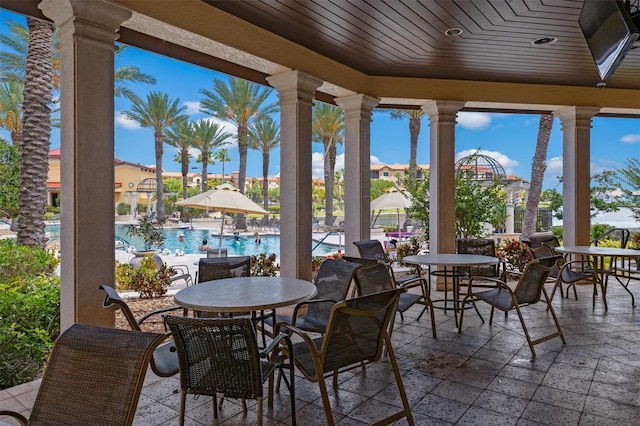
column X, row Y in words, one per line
column 482, row 377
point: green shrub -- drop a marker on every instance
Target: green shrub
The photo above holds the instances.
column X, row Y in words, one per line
column 19, row 263
column 598, row 229
column 634, row 241
column 264, row 266
column 514, row 253
column 557, row 232
column 29, row 324
column 123, row 208
column 145, row 279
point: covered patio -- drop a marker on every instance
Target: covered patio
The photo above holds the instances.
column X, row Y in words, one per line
column 483, row 376
column 381, row 54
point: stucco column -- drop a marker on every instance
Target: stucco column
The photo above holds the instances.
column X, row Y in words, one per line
column 295, row 94
column 357, row 159
column 576, row 182
column 87, row 31
column 442, row 123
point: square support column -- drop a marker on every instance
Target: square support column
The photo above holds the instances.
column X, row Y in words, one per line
column 357, row 180
column 295, row 93
column 442, row 123
column 576, row 183
column 87, row 32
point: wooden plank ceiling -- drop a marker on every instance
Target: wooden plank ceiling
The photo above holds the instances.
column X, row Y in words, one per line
column 406, row 38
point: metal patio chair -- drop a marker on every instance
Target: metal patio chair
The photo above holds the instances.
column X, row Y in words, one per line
column 94, row 376
column 220, row 356
column 358, row 331
column 164, row 362
column 528, row 291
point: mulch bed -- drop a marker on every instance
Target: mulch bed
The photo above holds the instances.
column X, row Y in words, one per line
column 142, row 306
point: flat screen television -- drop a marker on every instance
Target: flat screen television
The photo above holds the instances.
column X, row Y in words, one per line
column 610, row 33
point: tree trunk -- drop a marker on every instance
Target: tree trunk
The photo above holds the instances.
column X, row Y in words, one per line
column 185, row 171
column 204, row 182
column 265, row 182
column 34, row 159
column 538, row 167
column 414, row 131
column 160, row 215
column 329, row 166
column 243, row 144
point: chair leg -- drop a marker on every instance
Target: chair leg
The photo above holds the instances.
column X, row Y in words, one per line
column 215, row 407
column 553, row 315
column 491, row 315
column 526, row 333
column 464, row 301
column 325, row 400
column 398, row 376
column 259, row 410
column 183, row 400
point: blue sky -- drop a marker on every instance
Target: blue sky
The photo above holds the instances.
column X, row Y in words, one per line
column 509, row 138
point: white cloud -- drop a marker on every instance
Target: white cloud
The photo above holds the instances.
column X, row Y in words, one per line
column 474, row 120
column 193, row 107
column 374, row 160
column 554, row 165
column 507, row 163
column 122, row 121
column 631, row 138
column 317, row 164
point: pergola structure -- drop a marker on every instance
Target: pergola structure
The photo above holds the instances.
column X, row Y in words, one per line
column 440, row 56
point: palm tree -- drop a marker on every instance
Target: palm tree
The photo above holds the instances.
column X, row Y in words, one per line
column 415, row 117
column 11, row 99
column 158, row 113
column 222, row 155
column 207, row 136
column 241, row 103
column 38, row 89
column 180, row 136
column 264, row 136
column 129, row 74
column 538, row 167
column 327, row 128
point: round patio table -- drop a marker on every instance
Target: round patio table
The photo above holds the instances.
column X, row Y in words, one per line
column 242, row 294
column 599, row 253
column 449, row 262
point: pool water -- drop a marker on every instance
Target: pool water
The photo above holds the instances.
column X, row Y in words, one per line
column 244, row 246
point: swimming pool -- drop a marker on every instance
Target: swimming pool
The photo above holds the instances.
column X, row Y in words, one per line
column 245, row 246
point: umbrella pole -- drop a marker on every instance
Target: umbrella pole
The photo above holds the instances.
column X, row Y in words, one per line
column 399, row 231
column 221, row 229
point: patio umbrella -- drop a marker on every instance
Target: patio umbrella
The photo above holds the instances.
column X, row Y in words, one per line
column 392, row 199
column 224, row 198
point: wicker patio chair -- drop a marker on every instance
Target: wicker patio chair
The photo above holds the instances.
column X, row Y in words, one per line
column 93, row 377
column 333, row 283
column 372, row 249
column 358, row 331
column 221, row 356
column 164, row 362
column 528, row 291
column 375, row 276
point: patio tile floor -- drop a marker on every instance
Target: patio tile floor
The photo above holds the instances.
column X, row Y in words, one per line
column 483, row 376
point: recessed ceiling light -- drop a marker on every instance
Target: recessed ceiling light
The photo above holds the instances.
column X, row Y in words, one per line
column 453, row 32
column 542, row 41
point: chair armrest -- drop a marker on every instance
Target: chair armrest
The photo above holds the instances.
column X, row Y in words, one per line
column 291, row 329
column 498, row 283
column 264, row 353
column 182, row 269
column 21, row 419
column 309, row 302
column 157, row 312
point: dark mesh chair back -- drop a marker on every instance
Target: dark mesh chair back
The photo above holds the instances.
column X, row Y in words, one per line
column 221, row 356
column 483, row 247
column 372, row 277
column 357, row 331
column 529, row 287
column 333, row 283
column 540, row 238
column 93, row 377
column 215, row 268
column 371, row 249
